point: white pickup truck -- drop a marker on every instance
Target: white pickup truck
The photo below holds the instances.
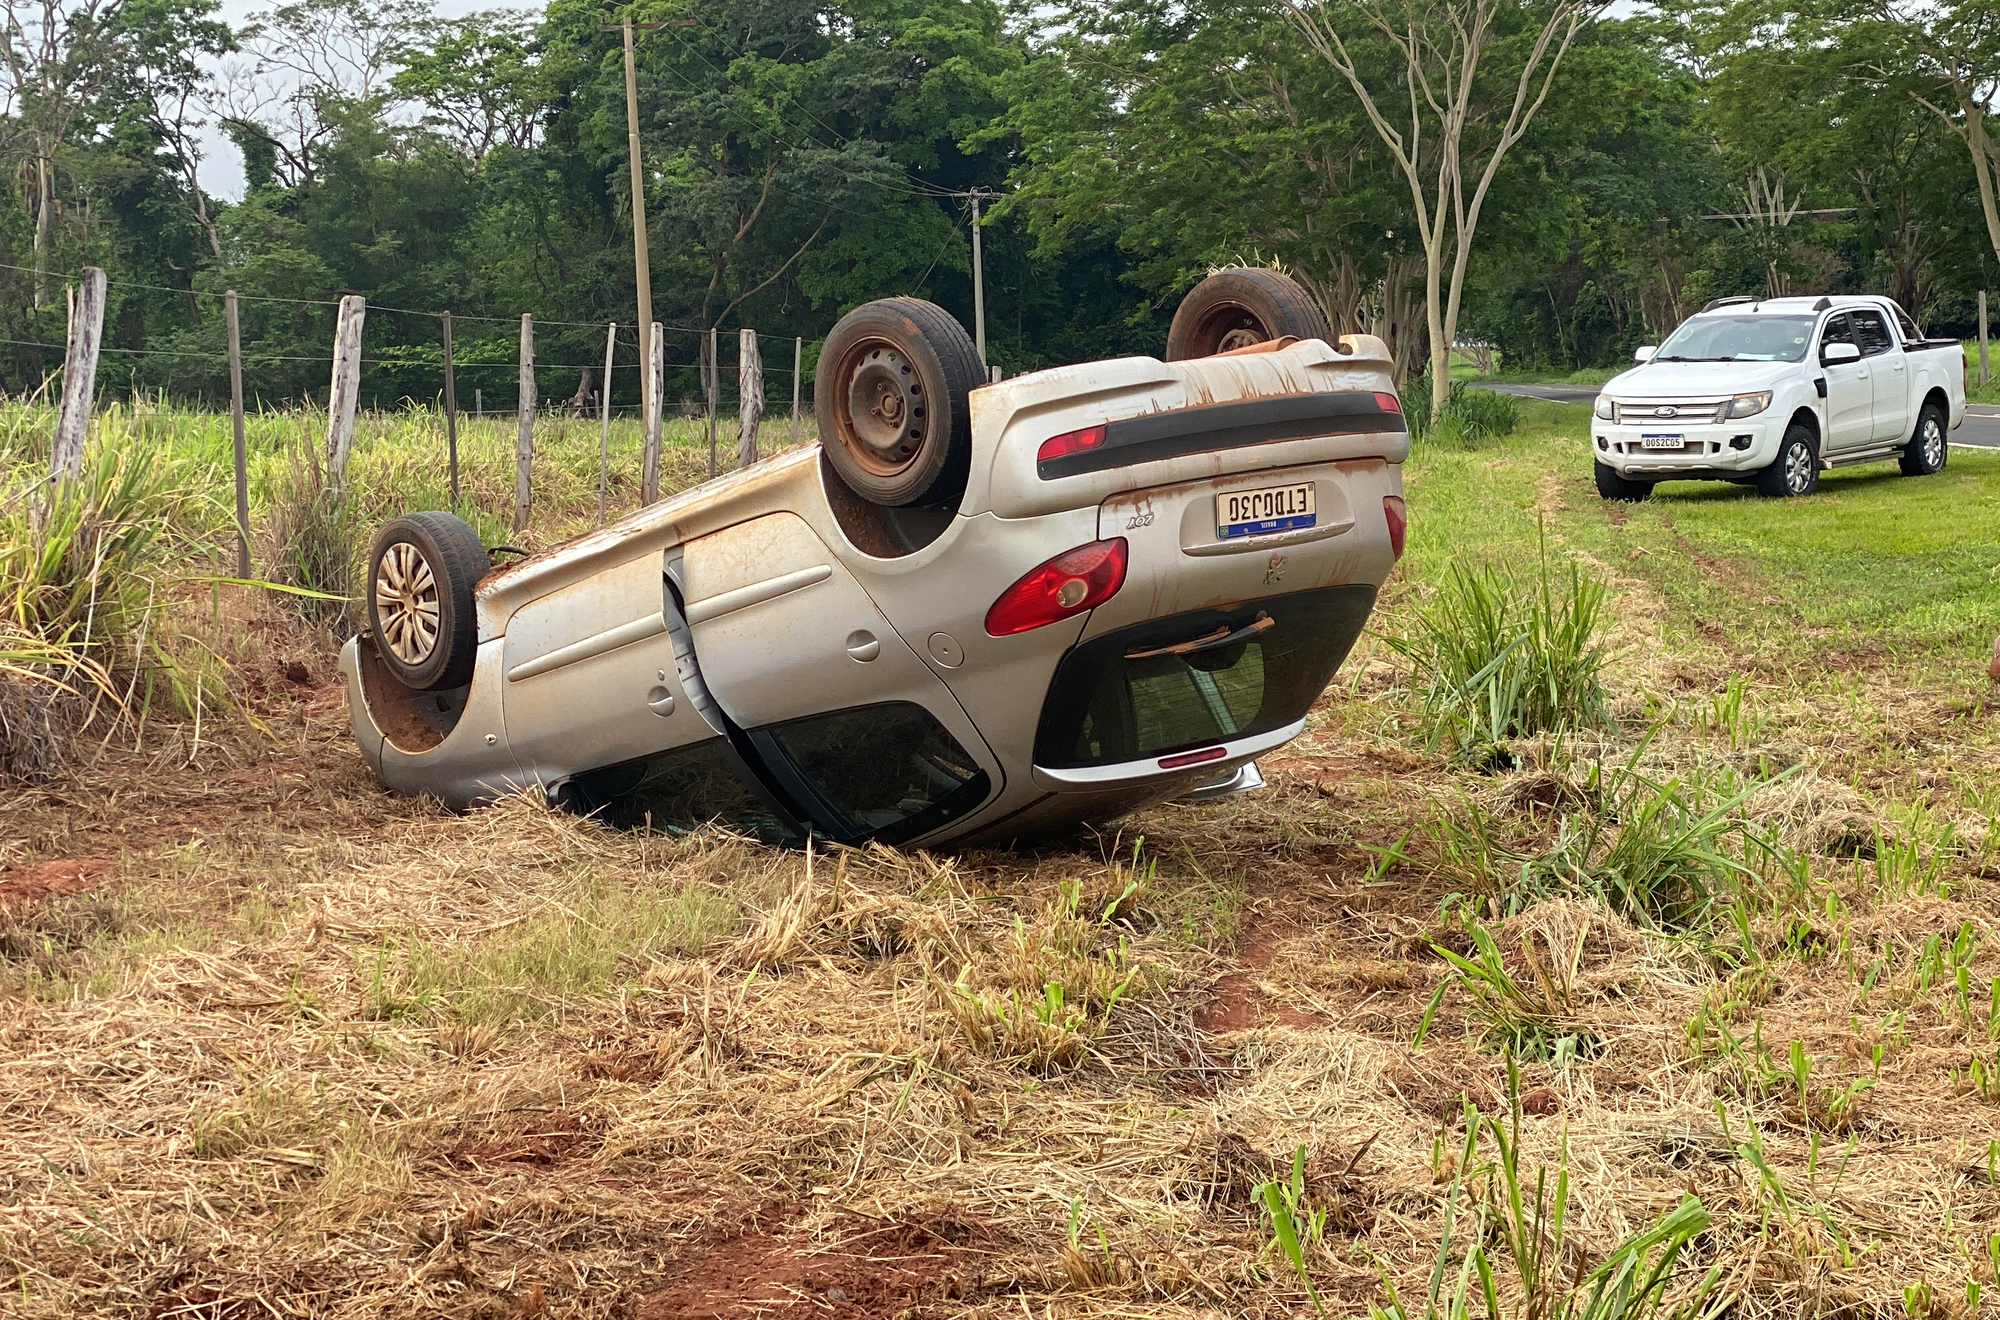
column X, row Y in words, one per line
column 1772, row 391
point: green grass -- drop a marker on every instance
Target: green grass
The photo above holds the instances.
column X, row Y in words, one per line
column 1876, row 564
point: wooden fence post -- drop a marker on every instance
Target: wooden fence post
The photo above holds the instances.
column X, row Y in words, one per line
column 236, row 425
column 656, row 389
column 604, row 417
column 524, row 437
column 345, row 392
column 749, row 396
column 798, row 365
column 450, row 411
column 713, row 382
column 86, row 336
column 478, row 402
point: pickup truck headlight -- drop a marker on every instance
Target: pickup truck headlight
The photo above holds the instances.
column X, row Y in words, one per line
column 1745, row 405
column 1604, row 408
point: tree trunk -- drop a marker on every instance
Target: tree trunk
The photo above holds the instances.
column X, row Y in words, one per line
column 1981, row 147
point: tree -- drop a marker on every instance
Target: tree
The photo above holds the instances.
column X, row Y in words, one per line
column 1459, row 64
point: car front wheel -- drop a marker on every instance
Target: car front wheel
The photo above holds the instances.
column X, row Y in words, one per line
column 1795, row 471
column 1613, row 486
column 1927, row 449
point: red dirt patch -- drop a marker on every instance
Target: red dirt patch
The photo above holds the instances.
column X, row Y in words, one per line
column 874, row 1270
column 37, row 884
column 537, row 1139
column 1238, row 1003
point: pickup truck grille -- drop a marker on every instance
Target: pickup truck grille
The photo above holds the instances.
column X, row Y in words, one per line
column 1683, row 412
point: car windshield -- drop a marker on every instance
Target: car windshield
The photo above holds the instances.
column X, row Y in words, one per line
column 1748, row 338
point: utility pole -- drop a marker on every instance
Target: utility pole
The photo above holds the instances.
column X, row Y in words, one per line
column 642, row 267
column 978, row 282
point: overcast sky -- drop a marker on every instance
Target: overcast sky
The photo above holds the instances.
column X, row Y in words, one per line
column 221, row 163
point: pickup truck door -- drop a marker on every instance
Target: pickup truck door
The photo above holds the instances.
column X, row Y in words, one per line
column 857, row 730
column 1850, row 401
column 1890, row 372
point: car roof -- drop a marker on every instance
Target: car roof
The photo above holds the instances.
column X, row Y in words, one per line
column 1793, row 306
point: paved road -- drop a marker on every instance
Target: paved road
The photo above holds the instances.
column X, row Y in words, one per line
column 1981, row 428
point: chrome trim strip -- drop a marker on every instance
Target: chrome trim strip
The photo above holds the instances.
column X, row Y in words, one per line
column 1104, row 776
column 742, row 598
column 610, row 640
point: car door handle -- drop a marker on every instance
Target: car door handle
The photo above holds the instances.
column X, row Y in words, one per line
column 1209, row 641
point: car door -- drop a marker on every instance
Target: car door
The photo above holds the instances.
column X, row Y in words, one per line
column 589, row 677
column 853, row 726
column 1850, row 402
column 1889, row 372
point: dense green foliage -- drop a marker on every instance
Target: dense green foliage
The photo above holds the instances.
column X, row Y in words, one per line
column 802, row 158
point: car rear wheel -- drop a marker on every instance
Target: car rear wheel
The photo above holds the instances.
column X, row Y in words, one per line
column 1795, row 471
column 1611, row 485
column 420, row 611
column 1927, row 450
column 1241, row 307
column 891, row 399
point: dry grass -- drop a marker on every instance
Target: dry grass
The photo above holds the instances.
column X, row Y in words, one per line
column 273, row 1043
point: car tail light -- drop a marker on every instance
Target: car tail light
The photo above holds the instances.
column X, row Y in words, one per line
column 1070, row 442
column 1071, row 583
column 1397, row 515
column 1388, row 402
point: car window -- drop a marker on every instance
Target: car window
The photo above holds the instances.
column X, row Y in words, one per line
column 1911, row 335
column 1837, row 331
column 1745, row 337
column 888, row 771
column 1131, row 694
column 1871, row 332
column 675, row 792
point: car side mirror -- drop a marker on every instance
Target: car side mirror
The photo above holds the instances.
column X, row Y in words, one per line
column 1833, row 354
column 1644, row 353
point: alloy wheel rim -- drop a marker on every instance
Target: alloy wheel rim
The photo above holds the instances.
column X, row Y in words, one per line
column 406, row 603
column 1933, row 442
column 1798, row 468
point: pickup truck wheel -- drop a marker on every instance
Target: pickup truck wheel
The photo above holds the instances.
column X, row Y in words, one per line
column 890, row 396
column 1239, row 307
column 1795, row 471
column 420, row 611
column 1927, row 449
column 1612, row 486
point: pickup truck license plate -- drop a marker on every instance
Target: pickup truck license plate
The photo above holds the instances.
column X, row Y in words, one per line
column 1268, row 509
column 1663, row 441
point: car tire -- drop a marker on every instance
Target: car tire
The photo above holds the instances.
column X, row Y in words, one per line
column 1612, row 485
column 1928, row 449
column 1239, row 307
column 420, row 611
column 1795, row 471
column 891, row 397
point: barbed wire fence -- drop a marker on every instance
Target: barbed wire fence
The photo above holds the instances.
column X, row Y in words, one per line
column 423, row 373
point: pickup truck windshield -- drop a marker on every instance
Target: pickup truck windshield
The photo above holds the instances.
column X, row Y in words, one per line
column 1739, row 339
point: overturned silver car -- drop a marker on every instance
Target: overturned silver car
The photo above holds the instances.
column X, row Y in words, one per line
column 973, row 612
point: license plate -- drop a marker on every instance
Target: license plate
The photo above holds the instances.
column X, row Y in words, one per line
column 1268, row 509
column 1674, row 441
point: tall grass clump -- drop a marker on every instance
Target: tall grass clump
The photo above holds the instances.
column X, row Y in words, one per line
column 311, row 533
column 1659, row 852
column 87, row 570
column 1502, row 652
column 1470, row 414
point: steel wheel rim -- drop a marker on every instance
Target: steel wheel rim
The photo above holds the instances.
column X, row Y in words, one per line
column 1234, row 326
column 406, row 603
column 1798, row 469
column 1933, row 443
column 883, row 420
